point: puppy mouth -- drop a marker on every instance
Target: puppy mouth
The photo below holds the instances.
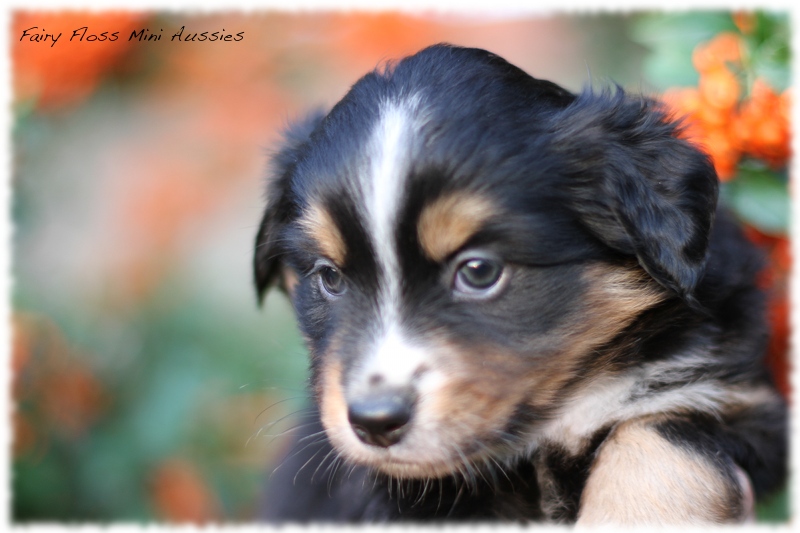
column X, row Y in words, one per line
column 412, row 461
column 417, row 448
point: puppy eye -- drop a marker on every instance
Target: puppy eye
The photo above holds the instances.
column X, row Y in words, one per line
column 478, row 276
column 332, row 281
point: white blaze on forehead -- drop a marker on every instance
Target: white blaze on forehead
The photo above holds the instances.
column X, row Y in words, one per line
column 392, row 357
column 390, row 151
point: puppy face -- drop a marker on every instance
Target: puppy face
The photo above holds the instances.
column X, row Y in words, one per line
column 462, row 242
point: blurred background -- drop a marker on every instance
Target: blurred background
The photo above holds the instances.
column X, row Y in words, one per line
column 147, row 384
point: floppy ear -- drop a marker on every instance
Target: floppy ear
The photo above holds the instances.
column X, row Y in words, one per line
column 267, row 262
column 638, row 187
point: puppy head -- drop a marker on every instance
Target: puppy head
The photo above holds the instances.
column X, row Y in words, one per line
column 459, row 238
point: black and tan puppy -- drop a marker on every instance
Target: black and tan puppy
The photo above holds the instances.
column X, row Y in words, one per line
column 519, row 305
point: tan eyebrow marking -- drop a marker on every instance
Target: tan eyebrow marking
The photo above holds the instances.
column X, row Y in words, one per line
column 317, row 222
column 446, row 224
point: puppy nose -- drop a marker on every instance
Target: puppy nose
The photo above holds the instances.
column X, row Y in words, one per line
column 381, row 417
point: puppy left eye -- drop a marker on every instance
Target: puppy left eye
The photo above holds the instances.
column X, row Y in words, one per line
column 332, row 281
column 478, row 276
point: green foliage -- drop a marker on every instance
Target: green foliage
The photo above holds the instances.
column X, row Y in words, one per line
column 760, row 197
column 671, row 39
column 774, row 509
column 770, row 55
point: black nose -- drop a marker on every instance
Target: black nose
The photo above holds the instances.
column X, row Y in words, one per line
column 381, row 418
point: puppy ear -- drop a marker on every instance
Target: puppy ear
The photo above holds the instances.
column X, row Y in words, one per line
column 641, row 189
column 267, row 263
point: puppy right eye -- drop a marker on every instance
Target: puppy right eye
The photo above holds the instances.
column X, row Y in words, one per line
column 332, row 281
column 478, row 275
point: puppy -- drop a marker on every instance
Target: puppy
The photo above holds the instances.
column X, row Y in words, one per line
column 520, row 304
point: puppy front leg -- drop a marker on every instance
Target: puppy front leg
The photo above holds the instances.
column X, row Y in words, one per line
column 639, row 476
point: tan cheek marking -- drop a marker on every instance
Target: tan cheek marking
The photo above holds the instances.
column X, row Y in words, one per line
column 446, row 224
column 640, row 478
column 616, row 296
column 333, row 406
column 319, row 225
column 480, row 393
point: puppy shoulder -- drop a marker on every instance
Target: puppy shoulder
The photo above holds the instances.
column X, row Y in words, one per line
column 663, row 470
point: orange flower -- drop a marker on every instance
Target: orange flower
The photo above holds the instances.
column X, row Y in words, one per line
column 53, row 384
column 706, row 126
column 26, row 437
column 745, row 21
column 763, row 125
column 724, row 48
column 774, row 279
column 719, row 89
column 73, row 399
column 720, row 147
column 683, row 102
column 716, row 118
column 180, row 494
